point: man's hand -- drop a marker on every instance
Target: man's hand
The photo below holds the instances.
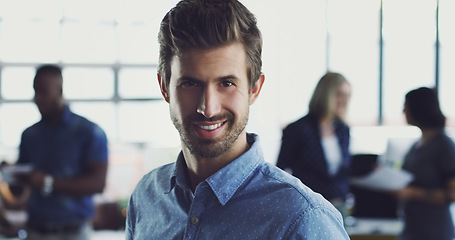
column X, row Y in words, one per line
column 406, row 194
column 35, row 179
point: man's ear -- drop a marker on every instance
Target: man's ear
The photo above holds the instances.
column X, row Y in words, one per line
column 257, row 88
column 163, row 88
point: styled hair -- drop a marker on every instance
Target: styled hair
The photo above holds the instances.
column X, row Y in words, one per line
column 49, row 68
column 322, row 101
column 422, row 105
column 208, row 24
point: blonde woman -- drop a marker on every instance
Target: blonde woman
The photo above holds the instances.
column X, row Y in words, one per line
column 315, row 148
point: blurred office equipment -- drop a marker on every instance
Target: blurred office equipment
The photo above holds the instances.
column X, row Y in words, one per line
column 370, row 203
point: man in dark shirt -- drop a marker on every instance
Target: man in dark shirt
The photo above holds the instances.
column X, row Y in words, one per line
column 69, row 156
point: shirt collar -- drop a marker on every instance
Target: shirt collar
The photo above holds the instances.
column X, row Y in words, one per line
column 227, row 180
column 179, row 176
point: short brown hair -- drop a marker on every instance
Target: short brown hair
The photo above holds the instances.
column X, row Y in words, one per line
column 207, row 24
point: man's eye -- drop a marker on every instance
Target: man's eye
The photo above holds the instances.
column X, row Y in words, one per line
column 188, row 84
column 227, row 83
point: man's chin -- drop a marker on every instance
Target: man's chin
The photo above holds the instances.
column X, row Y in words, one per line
column 209, row 148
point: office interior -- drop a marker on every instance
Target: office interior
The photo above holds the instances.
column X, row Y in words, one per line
column 109, row 51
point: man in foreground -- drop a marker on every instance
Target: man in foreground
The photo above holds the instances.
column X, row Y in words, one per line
column 220, row 187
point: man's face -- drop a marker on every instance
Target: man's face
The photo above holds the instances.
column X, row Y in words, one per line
column 209, row 99
column 48, row 93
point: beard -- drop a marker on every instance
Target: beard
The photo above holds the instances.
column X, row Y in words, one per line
column 209, row 148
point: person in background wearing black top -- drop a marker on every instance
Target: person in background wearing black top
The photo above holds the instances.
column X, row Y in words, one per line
column 315, row 148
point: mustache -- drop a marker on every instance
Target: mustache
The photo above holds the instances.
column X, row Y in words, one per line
column 201, row 118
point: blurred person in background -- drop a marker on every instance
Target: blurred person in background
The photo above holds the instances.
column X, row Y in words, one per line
column 68, row 154
column 425, row 202
column 315, row 148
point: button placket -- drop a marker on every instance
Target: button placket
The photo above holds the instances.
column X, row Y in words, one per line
column 197, row 208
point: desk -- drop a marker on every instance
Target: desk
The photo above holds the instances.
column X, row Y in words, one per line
column 374, row 229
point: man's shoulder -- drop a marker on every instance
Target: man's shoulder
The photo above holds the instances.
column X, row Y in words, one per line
column 32, row 128
column 81, row 120
column 160, row 176
column 82, row 123
column 34, row 132
column 287, row 185
column 162, row 171
column 291, row 203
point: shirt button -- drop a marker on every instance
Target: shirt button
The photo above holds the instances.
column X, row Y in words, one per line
column 194, row 220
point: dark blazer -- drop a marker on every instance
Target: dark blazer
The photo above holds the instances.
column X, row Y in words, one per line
column 301, row 151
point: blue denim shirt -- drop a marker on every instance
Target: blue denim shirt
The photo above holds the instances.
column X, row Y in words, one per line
column 247, row 199
column 62, row 150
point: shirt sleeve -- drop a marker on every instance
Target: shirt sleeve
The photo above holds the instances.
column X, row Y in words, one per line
column 97, row 147
column 318, row 223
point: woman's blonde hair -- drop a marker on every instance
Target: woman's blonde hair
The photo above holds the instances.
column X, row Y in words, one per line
column 322, row 102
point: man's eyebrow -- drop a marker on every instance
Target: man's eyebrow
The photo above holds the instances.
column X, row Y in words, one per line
column 222, row 78
column 227, row 77
column 187, row 78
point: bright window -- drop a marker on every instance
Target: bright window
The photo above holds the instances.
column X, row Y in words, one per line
column 142, row 121
column 409, row 52
column 447, row 59
column 88, row 83
column 138, row 83
column 17, row 83
column 353, row 51
column 138, row 43
column 29, row 41
column 14, row 118
column 84, row 42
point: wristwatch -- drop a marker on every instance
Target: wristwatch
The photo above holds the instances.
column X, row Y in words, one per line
column 48, row 185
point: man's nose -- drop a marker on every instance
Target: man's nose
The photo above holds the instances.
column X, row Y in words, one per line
column 209, row 103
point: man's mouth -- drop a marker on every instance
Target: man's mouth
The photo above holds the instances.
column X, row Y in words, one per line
column 209, row 130
column 211, row 127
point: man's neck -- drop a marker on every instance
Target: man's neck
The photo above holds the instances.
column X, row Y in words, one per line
column 56, row 116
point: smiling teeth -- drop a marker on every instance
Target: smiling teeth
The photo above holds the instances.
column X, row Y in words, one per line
column 210, row 127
